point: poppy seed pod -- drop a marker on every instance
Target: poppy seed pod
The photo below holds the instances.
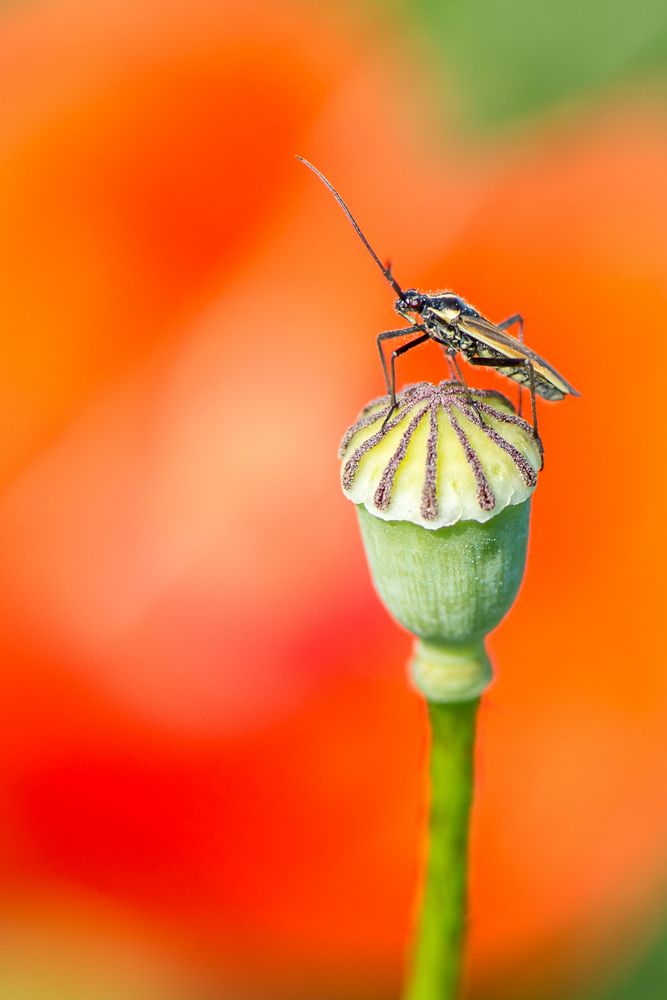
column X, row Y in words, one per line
column 443, row 496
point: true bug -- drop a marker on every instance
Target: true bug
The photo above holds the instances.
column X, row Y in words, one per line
column 453, row 323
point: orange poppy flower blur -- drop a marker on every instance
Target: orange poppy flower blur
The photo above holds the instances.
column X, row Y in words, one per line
column 209, row 734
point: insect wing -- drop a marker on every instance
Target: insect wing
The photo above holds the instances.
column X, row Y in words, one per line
column 500, row 341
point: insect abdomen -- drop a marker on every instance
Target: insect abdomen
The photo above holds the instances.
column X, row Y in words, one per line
column 521, row 374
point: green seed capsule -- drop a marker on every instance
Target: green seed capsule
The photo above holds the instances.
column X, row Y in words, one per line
column 443, row 497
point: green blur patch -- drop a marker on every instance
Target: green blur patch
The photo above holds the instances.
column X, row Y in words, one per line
column 509, row 59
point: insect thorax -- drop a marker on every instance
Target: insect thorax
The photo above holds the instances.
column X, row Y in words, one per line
column 442, row 328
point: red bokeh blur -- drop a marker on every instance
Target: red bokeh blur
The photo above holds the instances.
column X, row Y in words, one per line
column 211, row 755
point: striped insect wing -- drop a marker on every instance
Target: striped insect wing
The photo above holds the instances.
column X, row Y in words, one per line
column 548, row 382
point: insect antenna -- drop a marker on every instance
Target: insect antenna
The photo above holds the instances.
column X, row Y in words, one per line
column 385, row 270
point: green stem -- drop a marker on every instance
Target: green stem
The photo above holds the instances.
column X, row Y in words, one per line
column 437, row 963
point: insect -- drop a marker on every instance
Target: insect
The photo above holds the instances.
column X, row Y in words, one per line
column 453, row 323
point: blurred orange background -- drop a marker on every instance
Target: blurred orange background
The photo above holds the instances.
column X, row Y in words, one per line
column 213, row 776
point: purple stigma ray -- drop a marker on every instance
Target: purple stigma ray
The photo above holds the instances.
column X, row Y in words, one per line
column 382, row 497
column 363, row 421
column 404, row 399
column 485, row 497
column 429, row 505
column 367, row 420
column 506, row 418
column 352, row 465
column 530, row 477
column 526, row 470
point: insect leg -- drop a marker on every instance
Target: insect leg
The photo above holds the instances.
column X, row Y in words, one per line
column 510, row 321
column 450, row 365
column 513, row 363
column 498, row 362
column 533, row 404
column 391, row 335
column 505, row 325
column 453, row 364
column 396, row 354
